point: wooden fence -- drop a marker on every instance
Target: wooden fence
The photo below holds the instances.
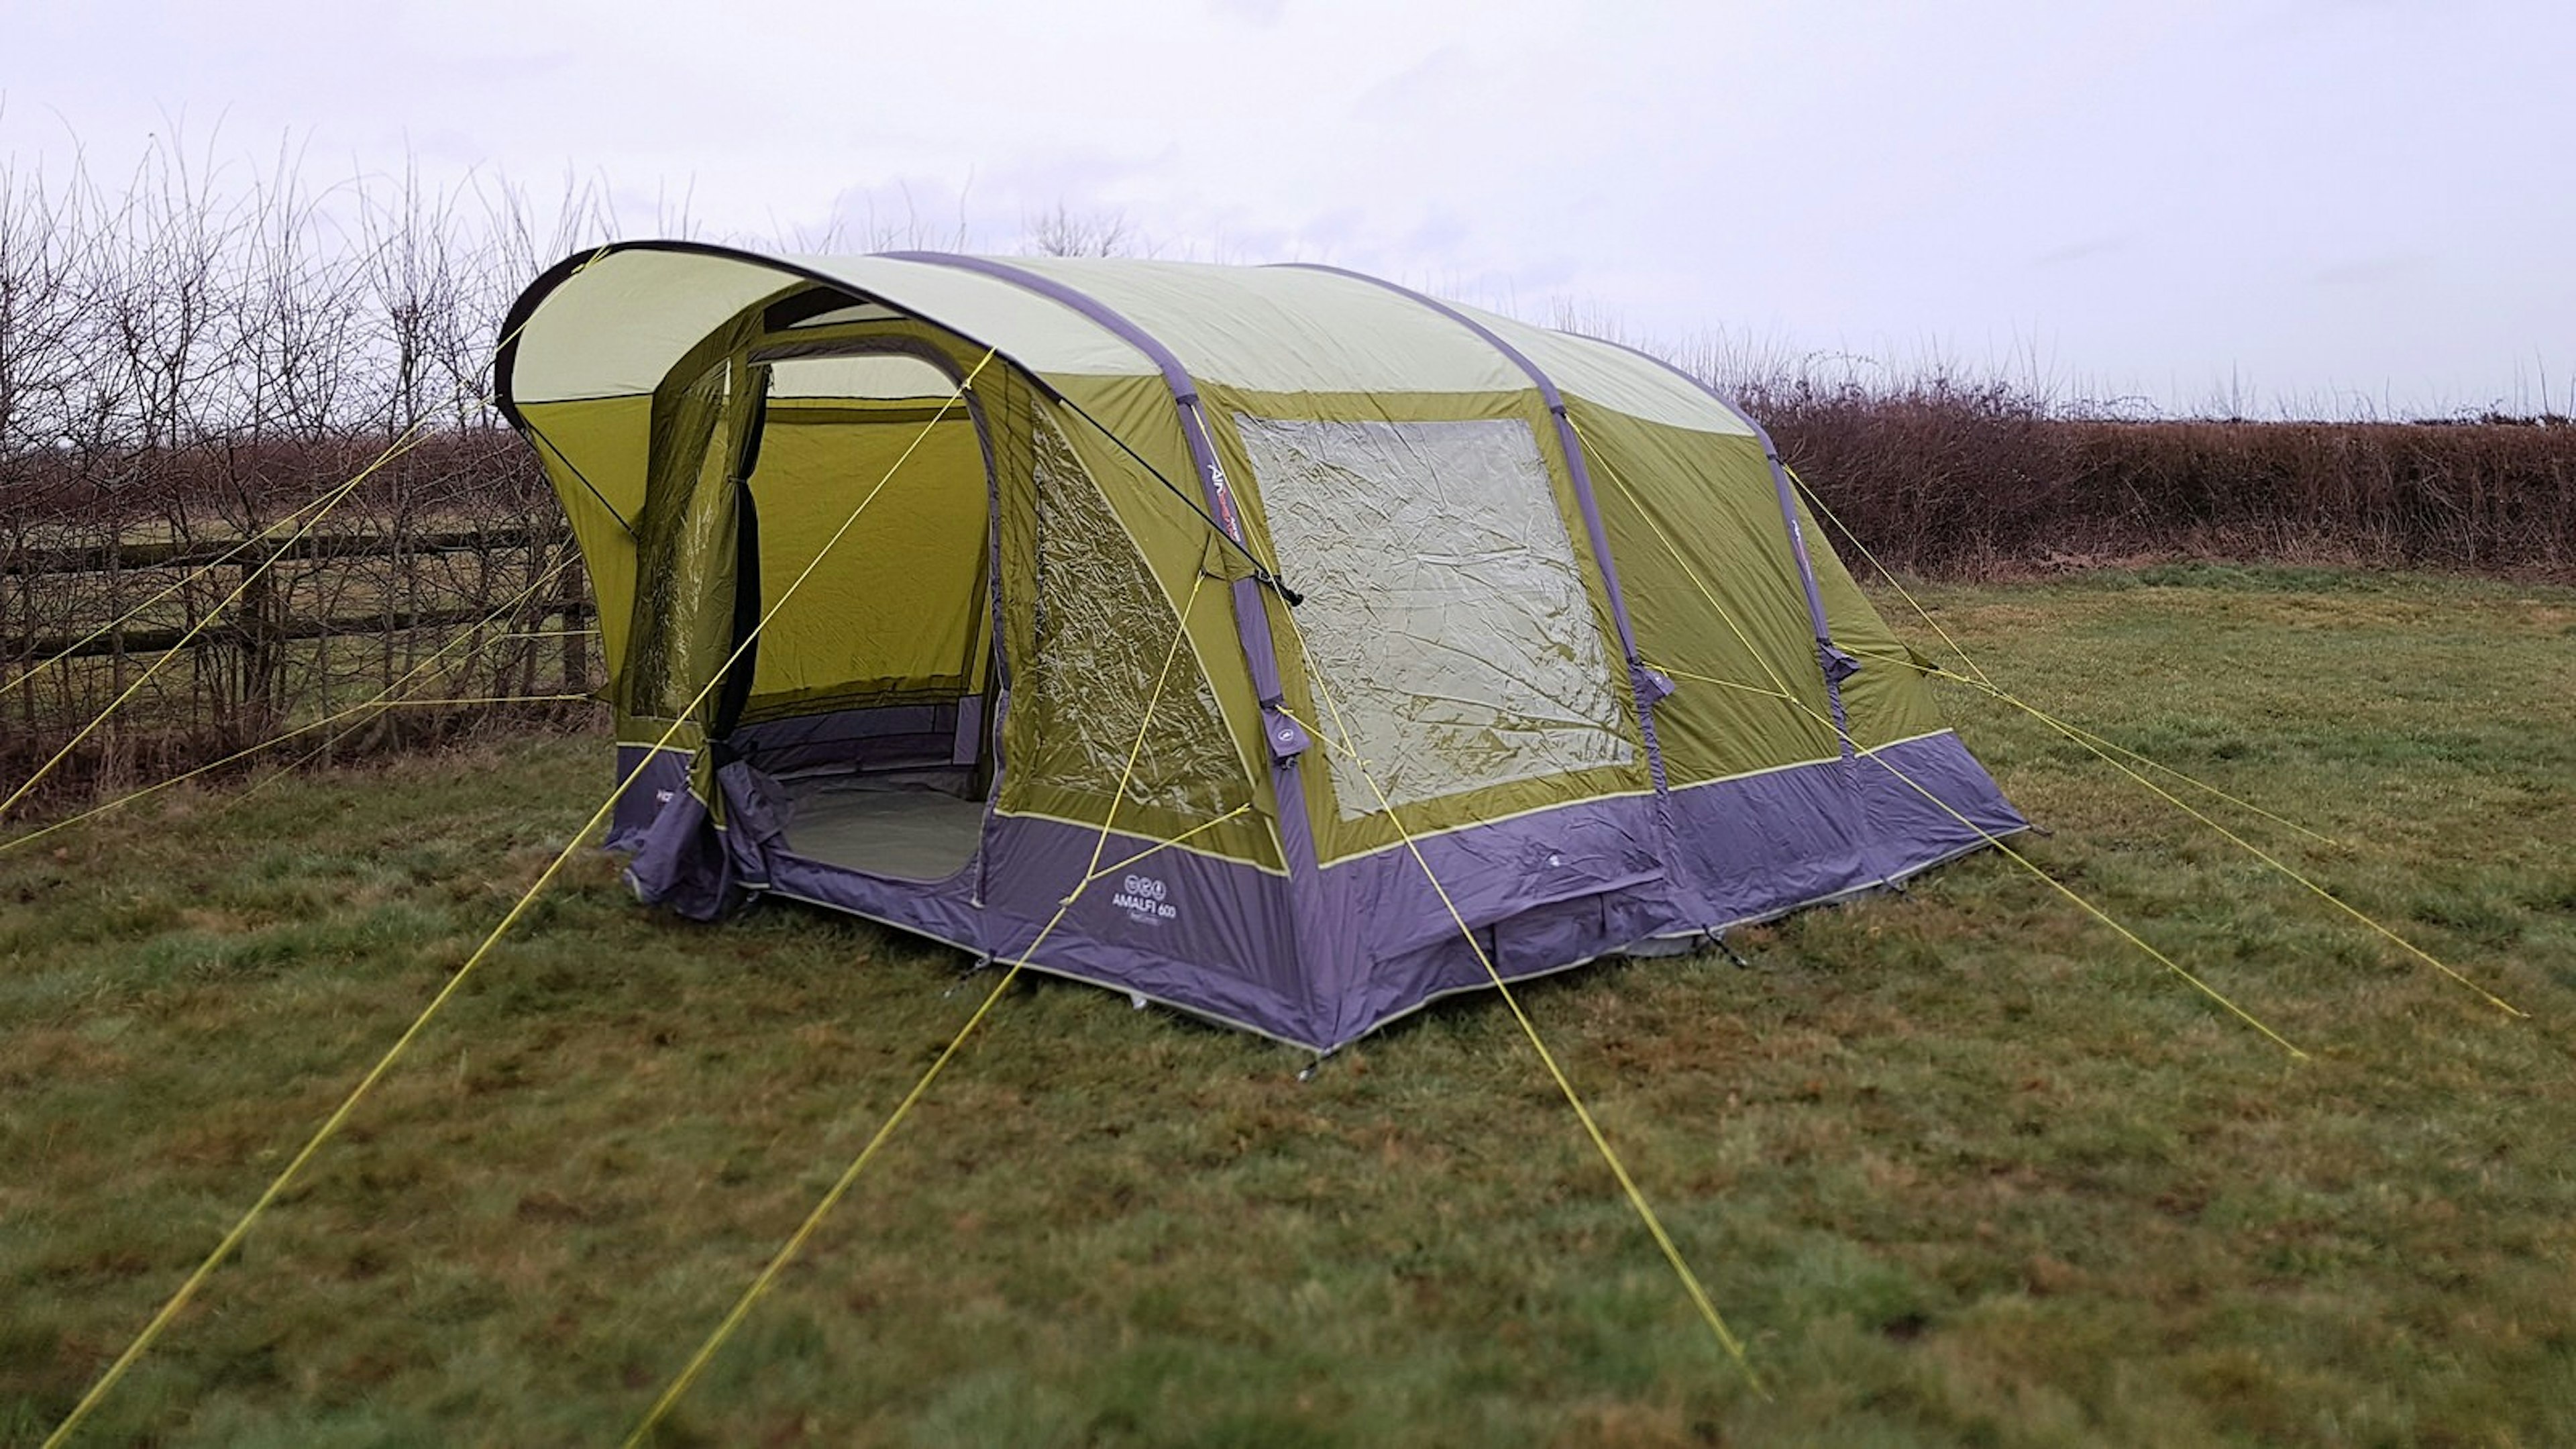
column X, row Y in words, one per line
column 204, row 645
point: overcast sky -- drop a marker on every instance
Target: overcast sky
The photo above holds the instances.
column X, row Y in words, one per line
column 2329, row 204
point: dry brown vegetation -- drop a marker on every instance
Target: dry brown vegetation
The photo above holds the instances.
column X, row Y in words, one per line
column 1987, row 481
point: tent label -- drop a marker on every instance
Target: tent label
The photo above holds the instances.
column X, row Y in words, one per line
column 1141, row 897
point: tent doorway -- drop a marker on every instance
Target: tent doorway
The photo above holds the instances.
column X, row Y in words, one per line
column 873, row 687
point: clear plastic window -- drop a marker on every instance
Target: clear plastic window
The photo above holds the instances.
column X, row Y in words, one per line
column 1102, row 630
column 1445, row 611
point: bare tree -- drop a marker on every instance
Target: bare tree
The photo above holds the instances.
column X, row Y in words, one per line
column 1064, row 232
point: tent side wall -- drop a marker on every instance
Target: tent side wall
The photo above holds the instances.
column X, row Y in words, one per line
column 1771, row 807
column 577, row 444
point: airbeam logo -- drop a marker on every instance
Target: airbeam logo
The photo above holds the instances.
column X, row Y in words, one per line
column 1142, row 899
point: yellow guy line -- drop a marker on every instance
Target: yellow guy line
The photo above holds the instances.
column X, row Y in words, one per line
column 1871, row 754
column 267, row 744
column 2245, row 845
column 383, row 700
column 1983, row 681
column 331, row 1126
column 1645, row 1211
column 2096, row 743
column 787, row 1251
column 2016, row 857
column 2106, row 749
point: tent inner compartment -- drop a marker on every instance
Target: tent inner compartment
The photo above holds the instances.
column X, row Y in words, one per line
column 871, row 705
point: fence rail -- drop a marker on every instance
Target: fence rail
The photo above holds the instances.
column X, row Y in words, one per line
column 252, row 632
column 217, row 637
column 197, row 553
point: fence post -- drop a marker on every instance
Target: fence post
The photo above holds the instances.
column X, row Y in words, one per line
column 259, row 619
column 26, row 629
column 116, row 601
column 532, row 616
column 576, row 653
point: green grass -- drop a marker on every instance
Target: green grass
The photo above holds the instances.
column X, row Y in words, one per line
column 1962, row 1167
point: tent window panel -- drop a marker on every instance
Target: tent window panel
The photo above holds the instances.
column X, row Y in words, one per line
column 1102, row 628
column 893, row 609
column 1444, row 610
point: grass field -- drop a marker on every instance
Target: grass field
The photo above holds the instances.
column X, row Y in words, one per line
column 1963, row 1168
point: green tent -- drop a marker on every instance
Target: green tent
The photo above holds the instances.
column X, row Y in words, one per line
column 929, row 584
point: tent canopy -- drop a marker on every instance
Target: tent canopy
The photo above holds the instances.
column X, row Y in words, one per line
column 929, row 572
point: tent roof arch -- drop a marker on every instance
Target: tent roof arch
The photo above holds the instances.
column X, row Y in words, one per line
column 610, row 323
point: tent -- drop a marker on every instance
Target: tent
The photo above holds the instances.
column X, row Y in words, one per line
column 1338, row 616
